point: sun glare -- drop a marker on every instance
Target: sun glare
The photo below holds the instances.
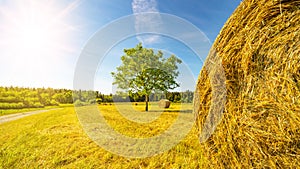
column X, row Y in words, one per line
column 35, row 29
column 35, row 36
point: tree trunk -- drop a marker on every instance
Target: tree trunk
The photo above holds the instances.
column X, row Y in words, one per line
column 147, row 100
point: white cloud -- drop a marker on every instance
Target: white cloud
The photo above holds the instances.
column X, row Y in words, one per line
column 146, row 22
column 140, row 6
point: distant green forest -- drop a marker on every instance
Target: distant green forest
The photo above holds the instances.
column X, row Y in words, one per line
column 20, row 97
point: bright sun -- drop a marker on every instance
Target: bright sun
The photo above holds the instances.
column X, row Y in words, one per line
column 35, row 28
column 35, row 36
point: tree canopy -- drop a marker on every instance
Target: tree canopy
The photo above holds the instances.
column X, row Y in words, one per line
column 143, row 71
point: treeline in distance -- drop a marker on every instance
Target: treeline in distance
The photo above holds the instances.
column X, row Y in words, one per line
column 21, row 97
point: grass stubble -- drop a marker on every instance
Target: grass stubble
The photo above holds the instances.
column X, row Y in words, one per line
column 55, row 139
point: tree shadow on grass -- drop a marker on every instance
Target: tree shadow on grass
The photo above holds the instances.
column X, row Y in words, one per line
column 173, row 111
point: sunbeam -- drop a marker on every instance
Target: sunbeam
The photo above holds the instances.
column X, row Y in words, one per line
column 35, row 36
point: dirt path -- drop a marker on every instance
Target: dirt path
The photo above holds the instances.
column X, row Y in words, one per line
column 11, row 117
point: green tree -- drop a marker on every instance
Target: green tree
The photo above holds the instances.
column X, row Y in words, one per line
column 143, row 71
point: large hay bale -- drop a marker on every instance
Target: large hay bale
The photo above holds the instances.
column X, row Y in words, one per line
column 260, row 50
column 164, row 103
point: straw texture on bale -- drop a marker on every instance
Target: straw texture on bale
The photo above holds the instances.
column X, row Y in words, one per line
column 259, row 48
column 164, row 103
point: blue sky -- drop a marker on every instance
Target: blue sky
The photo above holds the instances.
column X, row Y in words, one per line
column 41, row 41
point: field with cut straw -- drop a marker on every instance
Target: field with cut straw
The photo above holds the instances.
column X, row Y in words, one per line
column 55, row 139
column 247, row 105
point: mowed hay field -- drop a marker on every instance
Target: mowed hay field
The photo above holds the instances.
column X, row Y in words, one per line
column 55, row 139
column 260, row 51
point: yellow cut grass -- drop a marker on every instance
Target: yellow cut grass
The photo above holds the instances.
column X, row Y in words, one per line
column 55, row 139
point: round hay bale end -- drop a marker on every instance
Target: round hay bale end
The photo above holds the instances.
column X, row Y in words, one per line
column 164, row 103
column 260, row 51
